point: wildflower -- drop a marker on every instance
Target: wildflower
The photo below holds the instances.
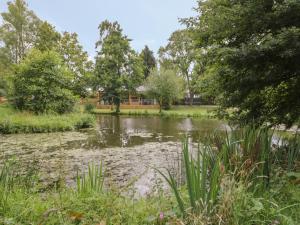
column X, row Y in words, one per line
column 161, row 216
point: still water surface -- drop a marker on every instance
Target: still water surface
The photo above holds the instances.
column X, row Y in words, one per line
column 129, row 147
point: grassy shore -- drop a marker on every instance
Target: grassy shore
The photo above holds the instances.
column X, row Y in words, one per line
column 12, row 121
column 175, row 111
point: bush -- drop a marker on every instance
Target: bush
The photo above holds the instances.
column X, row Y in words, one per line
column 89, row 107
column 165, row 87
column 43, row 85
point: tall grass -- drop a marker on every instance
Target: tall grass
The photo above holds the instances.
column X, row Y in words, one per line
column 245, row 154
column 203, row 177
column 12, row 121
column 288, row 153
column 92, row 181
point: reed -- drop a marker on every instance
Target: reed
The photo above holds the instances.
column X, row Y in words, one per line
column 246, row 153
column 92, row 181
column 203, row 176
column 288, row 153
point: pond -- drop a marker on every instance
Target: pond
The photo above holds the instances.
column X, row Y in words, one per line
column 129, row 147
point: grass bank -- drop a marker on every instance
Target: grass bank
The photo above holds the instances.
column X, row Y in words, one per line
column 12, row 121
column 175, row 111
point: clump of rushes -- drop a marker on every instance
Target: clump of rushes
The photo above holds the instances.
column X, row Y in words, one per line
column 246, row 153
column 288, row 154
column 92, row 181
column 203, row 176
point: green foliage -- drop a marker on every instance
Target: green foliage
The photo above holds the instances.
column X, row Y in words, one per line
column 226, row 181
column 288, row 153
column 77, row 61
column 203, row 176
column 5, row 72
column 12, row 122
column 149, row 61
column 89, row 107
column 255, row 50
column 42, row 84
column 19, row 29
column 47, row 37
column 165, row 87
column 268, row 208
column 118, row 69
column 180, row 55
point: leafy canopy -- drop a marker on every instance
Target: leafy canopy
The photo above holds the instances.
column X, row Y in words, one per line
column 47, row 37
column 255, row 46
column 78, row 62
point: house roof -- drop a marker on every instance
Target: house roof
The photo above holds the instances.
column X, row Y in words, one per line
column 140, row 89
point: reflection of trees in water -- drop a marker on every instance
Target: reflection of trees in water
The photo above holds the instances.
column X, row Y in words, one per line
column 125, row 131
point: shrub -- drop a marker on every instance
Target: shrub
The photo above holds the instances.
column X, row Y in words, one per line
column 42, row 84
column 89, row 107
column 165, row 87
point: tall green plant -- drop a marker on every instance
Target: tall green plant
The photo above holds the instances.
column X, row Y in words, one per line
column 203, row 176
column 246, row 152
column 92, row 181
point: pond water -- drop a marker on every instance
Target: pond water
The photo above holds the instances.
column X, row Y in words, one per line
column 129, row 147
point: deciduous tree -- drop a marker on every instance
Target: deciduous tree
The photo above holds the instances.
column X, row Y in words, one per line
column 149, row 61
column 179, row 55
column 165, row 86
column 77, row 60
column 19, row 29
column 257, row 50
column 118, row 68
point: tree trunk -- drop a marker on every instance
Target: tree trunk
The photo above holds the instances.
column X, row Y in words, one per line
column 191, row 94
column 191, row 100
column 160, row 104
column 117, row 103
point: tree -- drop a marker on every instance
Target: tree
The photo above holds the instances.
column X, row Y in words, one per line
column 257, row 49
column 149, row 61
column 118, row 68
column 18, row 32
column 47, row 37
column 77, row 60
column 6, row 69
column 165, row 86
column 179, row 55
column 42, row 84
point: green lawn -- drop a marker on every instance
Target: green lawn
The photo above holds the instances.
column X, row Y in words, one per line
column 12, row 121
column 180, row 111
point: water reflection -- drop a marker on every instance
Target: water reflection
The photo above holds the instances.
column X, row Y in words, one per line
column 126, row 131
